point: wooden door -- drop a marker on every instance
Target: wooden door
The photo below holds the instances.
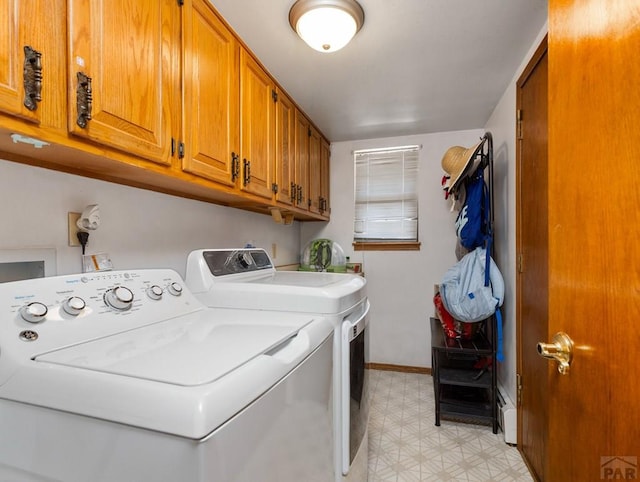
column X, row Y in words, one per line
column 285, row 148
column 325, row 170
column 127, row 50
column 593, row 281
column 302, row 133
column 532, row 248
column 594, row 254
column 314, row 171
column 38, row 27
column 257, row 133
column 211, row 117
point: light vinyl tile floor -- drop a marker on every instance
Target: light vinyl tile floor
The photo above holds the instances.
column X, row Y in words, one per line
column 406, row 446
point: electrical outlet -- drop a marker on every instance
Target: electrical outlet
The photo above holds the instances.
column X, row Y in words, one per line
column 274, row 248
column 72, row 219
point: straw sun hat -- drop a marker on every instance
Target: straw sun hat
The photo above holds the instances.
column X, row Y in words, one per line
column 456, row 162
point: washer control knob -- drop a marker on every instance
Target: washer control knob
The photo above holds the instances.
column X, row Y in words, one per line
column 244, row 259
column 119, row 298
column 74, row 305
column 154, row 292
column 175, row 289
column 34, row 312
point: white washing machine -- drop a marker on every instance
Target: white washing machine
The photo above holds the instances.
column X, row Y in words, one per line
column 126, row 376
column 246, row 278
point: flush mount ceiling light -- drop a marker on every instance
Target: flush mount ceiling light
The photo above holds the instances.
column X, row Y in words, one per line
column 326, row 25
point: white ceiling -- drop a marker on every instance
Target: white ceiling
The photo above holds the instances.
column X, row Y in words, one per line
column 417, row 66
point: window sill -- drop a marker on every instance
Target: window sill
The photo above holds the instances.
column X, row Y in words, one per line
column 386, row 246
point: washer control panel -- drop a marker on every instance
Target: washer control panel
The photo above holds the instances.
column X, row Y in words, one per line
column 50, row 313
column 223, row 262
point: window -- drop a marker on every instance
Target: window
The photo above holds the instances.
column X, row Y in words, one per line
column 386, row 198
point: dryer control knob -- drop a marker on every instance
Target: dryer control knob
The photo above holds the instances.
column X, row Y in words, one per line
column 74, row 305
column 119, row 298
column 34, row 312
column 154, row 292
column 175, row 289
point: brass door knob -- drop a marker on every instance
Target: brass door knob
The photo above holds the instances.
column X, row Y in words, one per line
column 561, row 350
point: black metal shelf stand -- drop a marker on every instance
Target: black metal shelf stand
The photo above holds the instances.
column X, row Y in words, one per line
column 464, row 371
column 464, row 376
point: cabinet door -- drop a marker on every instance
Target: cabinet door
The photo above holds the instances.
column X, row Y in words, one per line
column 211, row 117
column 285, row 152
column 32, row 40
column 257, row 133
column 314, row 171
column 126, row 50
column 302, row 132
column 325, row 176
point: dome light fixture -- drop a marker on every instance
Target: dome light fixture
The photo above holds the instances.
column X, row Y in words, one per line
column 326, row 25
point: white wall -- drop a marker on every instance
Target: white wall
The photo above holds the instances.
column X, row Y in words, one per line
column 139, row 228
column 399, row 283
column 503, row 128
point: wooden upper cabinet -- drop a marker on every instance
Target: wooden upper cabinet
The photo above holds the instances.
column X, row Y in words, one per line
column 211, row 80
column 314, row 171
column 257, row 132
column 121, row 68
column 32, row 45
column 325, row 167
column 159, row 94
column 285, row 148
column 301, row 178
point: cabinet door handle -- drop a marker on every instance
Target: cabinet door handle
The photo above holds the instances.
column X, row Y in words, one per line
column 32, row 78
column 83, row 99
column 299, row 194
column 292, row 192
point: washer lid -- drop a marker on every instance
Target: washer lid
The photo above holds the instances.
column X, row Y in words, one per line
column 293, row 291
column 170, row 377
column 192, row 353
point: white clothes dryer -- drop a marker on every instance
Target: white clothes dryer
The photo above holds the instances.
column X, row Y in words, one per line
column 247, row 278
column 125, row 375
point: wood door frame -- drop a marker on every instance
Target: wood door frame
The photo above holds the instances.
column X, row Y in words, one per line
column 528, row 70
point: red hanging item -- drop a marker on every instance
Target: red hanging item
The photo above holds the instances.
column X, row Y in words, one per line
column 447, row 321
column 445, row 186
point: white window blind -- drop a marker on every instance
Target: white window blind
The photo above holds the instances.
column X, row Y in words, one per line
column 386, row 194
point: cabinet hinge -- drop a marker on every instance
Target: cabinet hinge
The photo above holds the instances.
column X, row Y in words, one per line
column 274, row 188
column 246, row 179
column 274, row 95
column 235, row 166
column 180, row 150
column 519, row 389
column 519, row 124
column 84, row 99
column 32, row 78
column 520, row 263
column 293, row 190
column 309, row 132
